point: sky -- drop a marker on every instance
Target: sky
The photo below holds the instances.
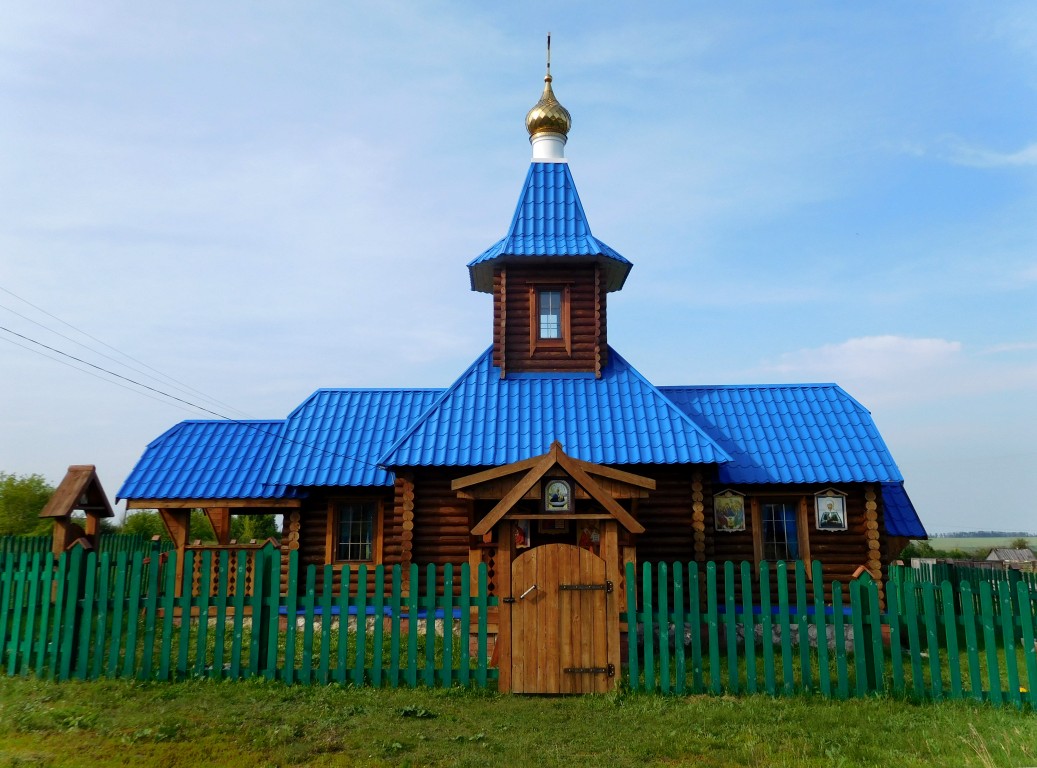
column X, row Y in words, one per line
column 255, row 200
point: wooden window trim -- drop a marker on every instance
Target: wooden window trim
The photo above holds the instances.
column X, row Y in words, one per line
column 330, row 545
column 802, row 532
column 535, row 341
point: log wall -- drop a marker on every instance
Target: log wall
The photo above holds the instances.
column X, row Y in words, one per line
column 513, row 317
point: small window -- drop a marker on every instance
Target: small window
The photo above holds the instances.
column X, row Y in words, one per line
column 355, row 530
column 780, row 535
column 550, row 311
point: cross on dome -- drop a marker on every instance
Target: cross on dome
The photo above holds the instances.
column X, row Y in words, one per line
column 548, row 122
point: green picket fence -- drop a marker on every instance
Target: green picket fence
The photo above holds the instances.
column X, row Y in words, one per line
column 93, row 615
column 13, row 546
column 699, row 632
column 16, row 545
column 1000, row 580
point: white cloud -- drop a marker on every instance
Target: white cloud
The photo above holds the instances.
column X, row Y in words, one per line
column 869, row 358
column 961, row 153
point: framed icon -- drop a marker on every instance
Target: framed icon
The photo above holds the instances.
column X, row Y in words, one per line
column 520, row 530
column 830, row 509
column 557, row 496
column 729, row 512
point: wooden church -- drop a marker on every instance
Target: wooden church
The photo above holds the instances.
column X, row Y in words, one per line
column 551, row 458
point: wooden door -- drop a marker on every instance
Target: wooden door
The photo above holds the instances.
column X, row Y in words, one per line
column 563, row 620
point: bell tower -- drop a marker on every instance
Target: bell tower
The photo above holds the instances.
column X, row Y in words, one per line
column 549, row 276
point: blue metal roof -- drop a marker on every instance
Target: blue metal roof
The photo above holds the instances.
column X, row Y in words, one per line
column 207, row 460
column 336, row 436
column 484, row 420
column 549, row 221
column 900, row 516
column 789, row 433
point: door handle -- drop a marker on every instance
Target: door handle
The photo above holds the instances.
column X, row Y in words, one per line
column 527, row 591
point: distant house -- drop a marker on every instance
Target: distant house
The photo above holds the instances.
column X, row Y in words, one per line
column 550, row 443
column 1007, row 555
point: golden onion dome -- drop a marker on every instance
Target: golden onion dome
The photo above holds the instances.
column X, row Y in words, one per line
column 548, row 115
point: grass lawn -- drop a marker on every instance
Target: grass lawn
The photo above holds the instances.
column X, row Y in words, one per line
column 977, row 544
column 258, row 724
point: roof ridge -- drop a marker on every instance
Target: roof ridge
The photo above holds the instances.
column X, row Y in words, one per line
column 381, row 460
column 614, row 355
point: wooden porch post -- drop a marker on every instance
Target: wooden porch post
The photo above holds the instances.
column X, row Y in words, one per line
column 178, row 525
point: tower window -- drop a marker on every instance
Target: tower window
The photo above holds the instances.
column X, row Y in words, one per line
column 550, row 314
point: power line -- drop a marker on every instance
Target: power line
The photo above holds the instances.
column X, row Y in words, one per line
column 220, row 416
column 95, row 375
column 178, row 385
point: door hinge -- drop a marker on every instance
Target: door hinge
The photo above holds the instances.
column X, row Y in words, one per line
column 610, row 670
column 606, row 587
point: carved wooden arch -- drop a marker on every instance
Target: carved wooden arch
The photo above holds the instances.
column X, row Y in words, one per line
column 537, row 467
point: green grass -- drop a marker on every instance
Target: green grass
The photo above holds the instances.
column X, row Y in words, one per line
column 977, row 544
column 254, row 724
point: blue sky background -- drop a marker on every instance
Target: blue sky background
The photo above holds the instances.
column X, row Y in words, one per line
column 263, row 199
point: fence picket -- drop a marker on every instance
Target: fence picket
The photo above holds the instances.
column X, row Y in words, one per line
column 202, row 637
column 824, row 672
column 839, row 633
column 273, row 610
column 784, row 619
column 664, row 628
column 327, row 593
column 648, row 622
column 361, row 624
column 481, row 648
column 7, row 577
column 20, row 590
column 802, row 622
column 86, row 623
column 986, row 610
column 731, row 627
column 33, row 597
column 447, row 664
column 1008, row 643
column 167, row 616
column 968, row 607
column 679, row 632
column 222, row 597
column 633, row 669
column 238, row 631
column 61, row 580
column 768, row 628
column 118, row 609
column 950, row 634
column 430, row 625
column 129, row 667
column 465, row 606
column 394, row 634
column 308, row 601
column 713, row 624
column 1026, row 623
column 150, row 610
column 932, row 640
column 412, row 626
column 342, row 657
column 378, row 605
column 184, row 639
column 896, row 654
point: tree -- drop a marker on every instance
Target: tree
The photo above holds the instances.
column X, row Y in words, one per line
column 1021, row 543
column 22, row 498
column 245, row 528
column 145, row 522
